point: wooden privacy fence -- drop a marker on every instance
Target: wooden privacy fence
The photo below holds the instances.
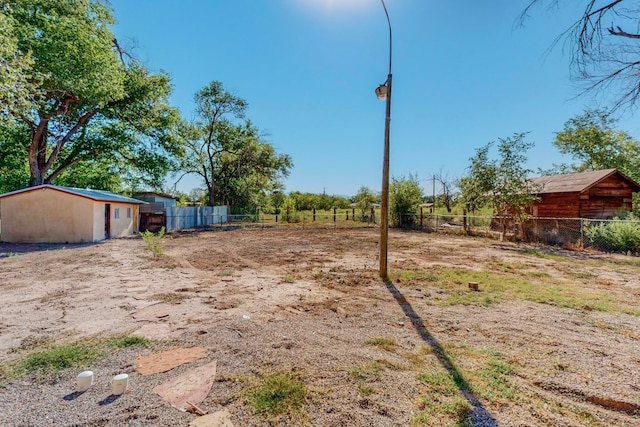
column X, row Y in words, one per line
column 179, row 218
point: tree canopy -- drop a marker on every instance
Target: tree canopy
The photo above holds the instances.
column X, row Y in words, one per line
column 502, row 182
column 592, row 141
column 227, row 151
column 405, row 195
column 364, row 199
column 81, row 100
column 16, row 80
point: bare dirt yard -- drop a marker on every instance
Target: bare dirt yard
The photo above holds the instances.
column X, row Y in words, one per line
column 550, row 338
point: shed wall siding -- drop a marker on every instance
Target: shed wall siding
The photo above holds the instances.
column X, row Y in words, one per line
column 47, row 216
column 98, row 221
column 606, row 198
column 601, row 201
column 122, row 226
column 558, row 205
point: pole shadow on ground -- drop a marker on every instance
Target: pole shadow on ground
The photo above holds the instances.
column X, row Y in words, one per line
column 480, row 415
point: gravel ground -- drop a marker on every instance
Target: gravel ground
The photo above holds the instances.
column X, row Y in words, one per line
column 306, row 301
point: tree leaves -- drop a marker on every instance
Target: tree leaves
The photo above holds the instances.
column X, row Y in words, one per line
column 405, row 194
column 87, row 106
column 591, row 140
column 502, row 182
column 228, row 153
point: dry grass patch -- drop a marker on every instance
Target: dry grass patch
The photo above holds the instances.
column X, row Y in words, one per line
column 387, row 344
column 511, row 284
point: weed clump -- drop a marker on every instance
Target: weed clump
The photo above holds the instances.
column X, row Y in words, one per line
column 279, row 394
column 153, row 241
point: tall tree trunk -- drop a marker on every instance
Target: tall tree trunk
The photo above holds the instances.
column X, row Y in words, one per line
column 38, row 152
column 39, row 163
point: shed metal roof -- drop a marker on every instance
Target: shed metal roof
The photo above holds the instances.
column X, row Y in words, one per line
column 575, row 182
column 97, row 195
column 153, row 193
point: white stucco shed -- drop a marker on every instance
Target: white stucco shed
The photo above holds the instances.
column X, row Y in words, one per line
column 53, row 214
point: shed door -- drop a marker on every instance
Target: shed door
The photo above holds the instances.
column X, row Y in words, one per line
column 107, row 220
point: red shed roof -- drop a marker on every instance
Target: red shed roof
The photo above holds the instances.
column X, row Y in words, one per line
column 576, row 182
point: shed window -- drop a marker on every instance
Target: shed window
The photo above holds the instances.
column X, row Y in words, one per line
column 116, row 213
column 128, row 212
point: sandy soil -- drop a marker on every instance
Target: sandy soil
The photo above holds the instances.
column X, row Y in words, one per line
column 306, row 301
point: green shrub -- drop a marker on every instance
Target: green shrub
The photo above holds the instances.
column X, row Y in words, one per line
column 290, row 211
column 405, row 195
column 620, row 236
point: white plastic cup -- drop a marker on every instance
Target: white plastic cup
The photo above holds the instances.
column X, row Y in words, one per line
column 84, row 381
column 119, row 384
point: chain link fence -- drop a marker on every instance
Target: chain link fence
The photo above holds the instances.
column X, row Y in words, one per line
column 604, row 235
column 339, row 218
column 600, row 234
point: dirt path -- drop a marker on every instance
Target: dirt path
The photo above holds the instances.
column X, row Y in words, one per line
column 309, row 300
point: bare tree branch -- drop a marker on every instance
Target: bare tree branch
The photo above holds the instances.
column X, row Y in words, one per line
column 605, row 58
column 622, row 33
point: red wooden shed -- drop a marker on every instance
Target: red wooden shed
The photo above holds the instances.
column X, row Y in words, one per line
column 595, row 195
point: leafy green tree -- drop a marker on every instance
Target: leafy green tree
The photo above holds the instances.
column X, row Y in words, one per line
column 247, row 175
column 198, row 195
column 364, row 199
column 101, row 173
column 304, row 201
column 277, row 200
column 592, row 141
column 14, row 170
column 310, row 201
column 338, row 202
column 289, row 210
column 16, row 78
column 405, row 195
column 227, row 152
column 501, row 183
column 84, row 101
column 477, row 187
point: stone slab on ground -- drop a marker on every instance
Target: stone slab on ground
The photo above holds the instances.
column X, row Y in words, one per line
column 167, row 360
column 192, row 387
column 217, row 419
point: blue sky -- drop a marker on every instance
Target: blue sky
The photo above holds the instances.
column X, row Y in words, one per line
column 464, row 74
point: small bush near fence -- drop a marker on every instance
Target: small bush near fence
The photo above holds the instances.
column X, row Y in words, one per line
column 619, row 236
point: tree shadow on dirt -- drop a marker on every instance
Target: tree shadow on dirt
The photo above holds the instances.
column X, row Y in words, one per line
column 480, row 414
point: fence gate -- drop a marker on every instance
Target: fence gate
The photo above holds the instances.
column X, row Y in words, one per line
column 152, row 217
